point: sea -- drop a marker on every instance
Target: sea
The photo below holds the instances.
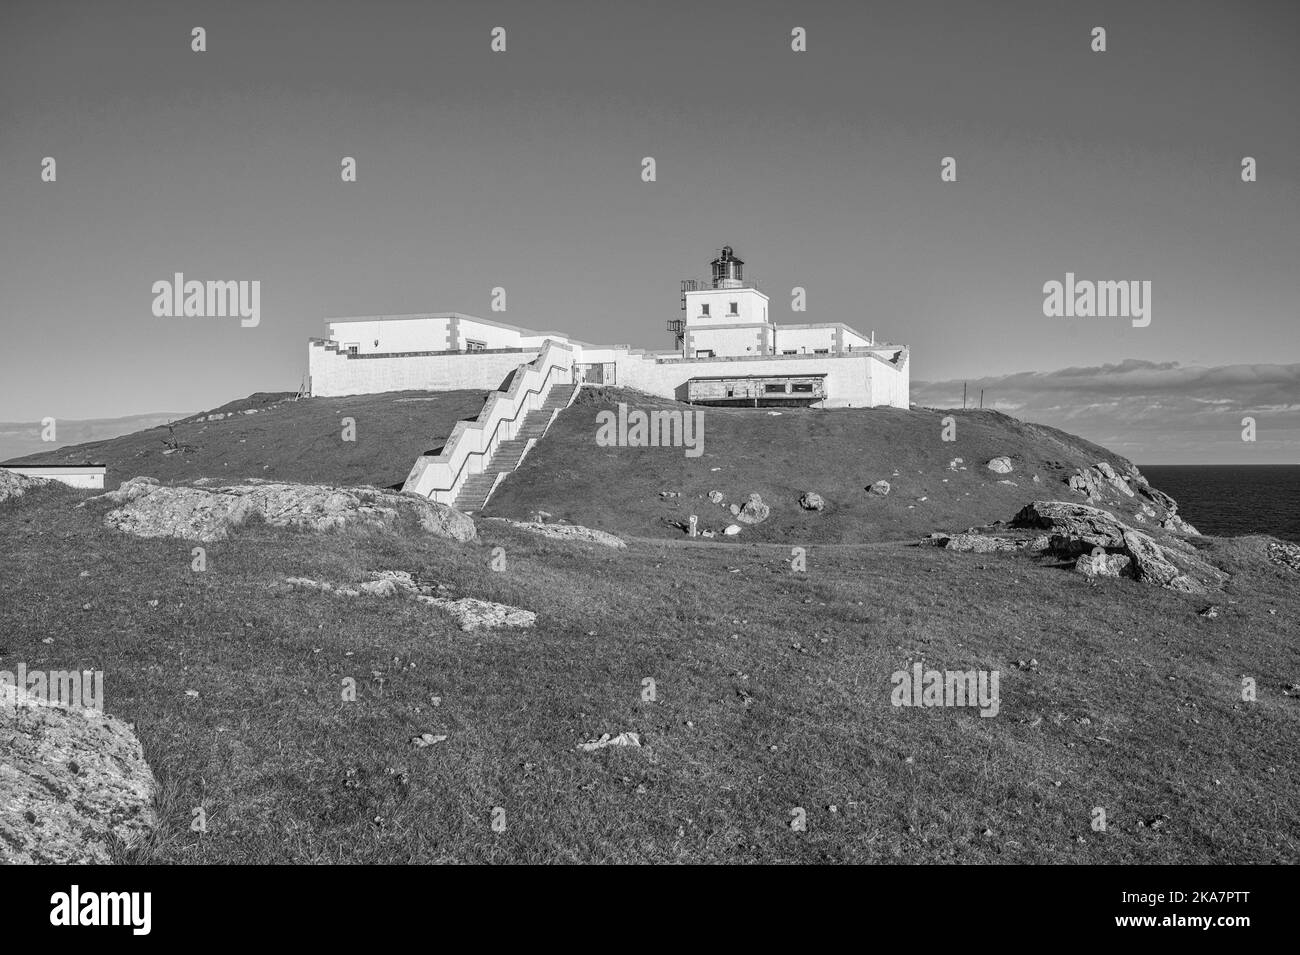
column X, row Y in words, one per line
column 1229, row 500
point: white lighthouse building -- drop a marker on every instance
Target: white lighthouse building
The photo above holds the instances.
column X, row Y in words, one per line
column 728, row 351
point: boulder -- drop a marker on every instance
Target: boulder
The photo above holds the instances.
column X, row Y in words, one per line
column 732, row 530
column 880, row 488
column 148, row 509
column 72, row 780
column 1151, row 564
column 1104, row 565
column 1000, row 465
column 754, row 511
column 717, row 497
column 812, row 501
column 16, row 485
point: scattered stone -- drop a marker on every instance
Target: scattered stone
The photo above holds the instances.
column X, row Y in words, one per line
column 732, row 530
column 812, row 501
column 880, row 488
column 71, row 780
column 717, row 497
column 954, row 464
column 426, row 739
column 1211, row 611
column 669, row 495
column 1000, row 465
column 754, row 511
column 148, row 509
column 622, row 739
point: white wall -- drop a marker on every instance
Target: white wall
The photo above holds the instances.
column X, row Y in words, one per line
column 728, row 340
column 91, row 477
column 751, row 306
column 334, row 373
column 419, row 333
column 804, row 339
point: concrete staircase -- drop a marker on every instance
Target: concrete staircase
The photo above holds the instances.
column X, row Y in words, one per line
column 476, row 490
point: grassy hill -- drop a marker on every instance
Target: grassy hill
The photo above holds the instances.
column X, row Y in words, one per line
column 837, row 453
column 772, row 686
column 278, row 437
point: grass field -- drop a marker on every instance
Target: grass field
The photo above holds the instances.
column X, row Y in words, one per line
column 772, row 687
column 284, row 439
column 836, row 453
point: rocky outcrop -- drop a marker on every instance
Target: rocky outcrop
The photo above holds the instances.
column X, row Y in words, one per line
column 72, row 780
column 474, row 614
column 1284, row 555
column 812, row 501
column 469, row 612
column 1102, row 484
column 16, row 485
column 1070, row 525
column 1000, row 465
column 1079, row 531
column 148, row 509
column 988, row 544
column 573, row 532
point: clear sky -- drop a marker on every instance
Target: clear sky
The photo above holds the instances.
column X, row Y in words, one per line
column 522, row 169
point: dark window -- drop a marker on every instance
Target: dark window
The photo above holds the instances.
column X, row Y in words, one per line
column 704, row 309
column 821, row 351
column 472, row 345
column 774, row 389
column 801, row 388
column 735, row 308
column 353, row 349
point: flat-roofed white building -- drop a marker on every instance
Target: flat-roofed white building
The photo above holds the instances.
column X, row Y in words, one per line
column 74, row 475
column 727, row 333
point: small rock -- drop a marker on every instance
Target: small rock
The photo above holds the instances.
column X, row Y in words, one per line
column 879, row 488
column 812, row 501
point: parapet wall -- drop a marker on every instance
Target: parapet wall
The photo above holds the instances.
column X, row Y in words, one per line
column 334, row 373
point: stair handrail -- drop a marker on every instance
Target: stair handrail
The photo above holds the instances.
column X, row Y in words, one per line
column 432, row 476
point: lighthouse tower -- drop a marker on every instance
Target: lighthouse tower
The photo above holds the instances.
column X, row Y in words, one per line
column 728, row 271
column 725, row 315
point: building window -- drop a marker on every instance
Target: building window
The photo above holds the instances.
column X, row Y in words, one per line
column 775, row 389
column 704, row 309
column 704, row 353
column 801, row 388
column 821, row 351
column 472, row 345
column 353, row 348
column 789, row 351
column 735, row 308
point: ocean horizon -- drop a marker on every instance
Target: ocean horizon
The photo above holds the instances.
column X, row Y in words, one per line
column 1233, row 500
